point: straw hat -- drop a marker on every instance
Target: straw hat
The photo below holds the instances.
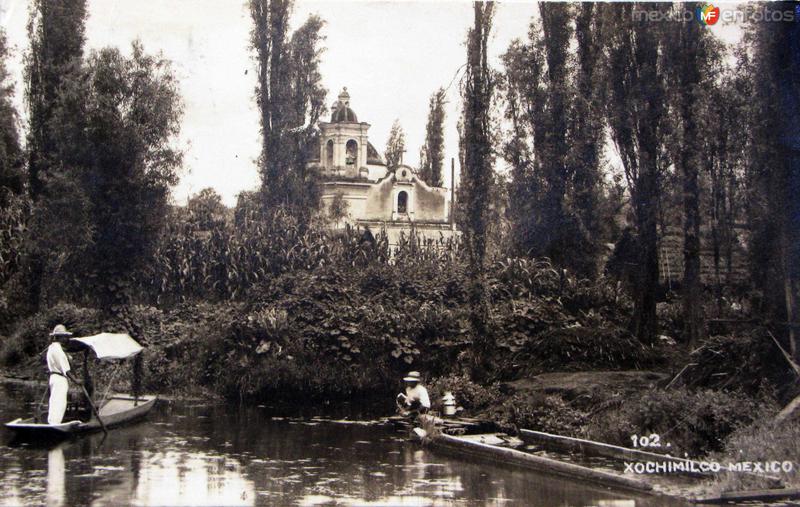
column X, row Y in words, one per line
column 413, row 376
column 60, row 330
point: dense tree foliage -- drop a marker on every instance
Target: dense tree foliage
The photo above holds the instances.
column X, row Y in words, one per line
column 132, row 111
column 14, row 204
column 432, row 152
column 100, row 160
column 205, row 209
column 11, row 156
column 101, row 211
column 593, row 203
column 724, row 159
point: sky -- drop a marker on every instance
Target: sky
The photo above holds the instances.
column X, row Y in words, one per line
column 391, row 56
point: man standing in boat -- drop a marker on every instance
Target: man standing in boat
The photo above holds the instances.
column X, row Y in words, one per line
column 58, row 365
column 416, row 398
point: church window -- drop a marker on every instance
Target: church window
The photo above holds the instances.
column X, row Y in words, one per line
column 402, row 202
column 329, row 153
column 351, row 152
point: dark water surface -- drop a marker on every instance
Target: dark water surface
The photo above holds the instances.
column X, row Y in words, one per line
column 187, row 453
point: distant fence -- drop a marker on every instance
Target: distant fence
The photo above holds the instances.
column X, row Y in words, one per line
column 671, row 258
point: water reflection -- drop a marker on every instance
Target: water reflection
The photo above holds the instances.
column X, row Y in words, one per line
column 173, row 478
column 212, row 455
column 56, row 476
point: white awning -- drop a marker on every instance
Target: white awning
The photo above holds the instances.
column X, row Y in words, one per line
column 111, row 345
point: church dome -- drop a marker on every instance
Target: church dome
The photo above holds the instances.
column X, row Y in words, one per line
column 341, row 109
column 343, row 114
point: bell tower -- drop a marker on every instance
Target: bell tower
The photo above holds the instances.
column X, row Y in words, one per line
column 344, row 141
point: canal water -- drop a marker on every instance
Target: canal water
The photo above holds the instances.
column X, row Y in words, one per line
column 187, row 453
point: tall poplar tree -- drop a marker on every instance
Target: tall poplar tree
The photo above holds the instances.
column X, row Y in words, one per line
column 588, row 138
column 724, row 158
column 290, row 99
column 524, row 96
column 690, row 70
column 53, row 63
column 772, row 65
column 637, row 117
column 555, row 143
column 432, row 152
column 56, row 35
column 553, row 150
column 477, row 175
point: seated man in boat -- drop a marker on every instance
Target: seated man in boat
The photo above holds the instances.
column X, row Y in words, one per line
column 415, row 400
column 58, row 365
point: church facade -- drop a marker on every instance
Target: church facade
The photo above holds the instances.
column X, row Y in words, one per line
column 372, row 195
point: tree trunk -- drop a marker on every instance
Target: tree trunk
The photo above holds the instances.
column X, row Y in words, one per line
column 645, row 322
column 692, row 306
column 688, row 78
column 787, row 233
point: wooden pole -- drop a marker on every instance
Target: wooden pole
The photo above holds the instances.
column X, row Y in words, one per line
column 786, row 355
column 41, row 402
column 94, row 408
column 452, row 192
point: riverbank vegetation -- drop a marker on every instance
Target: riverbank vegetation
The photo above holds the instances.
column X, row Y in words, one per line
column 565, row 268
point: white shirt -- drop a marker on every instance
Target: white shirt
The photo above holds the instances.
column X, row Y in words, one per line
column 418, row 393
column 57, row 361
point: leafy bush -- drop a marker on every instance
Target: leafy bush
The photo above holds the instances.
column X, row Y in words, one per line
column 523, row 277
column 581, row 347
column 538, row 412
column 13, row 350
column 761, row 441
column 694, row 422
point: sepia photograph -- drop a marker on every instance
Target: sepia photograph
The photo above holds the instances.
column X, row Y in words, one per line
column 399, row 253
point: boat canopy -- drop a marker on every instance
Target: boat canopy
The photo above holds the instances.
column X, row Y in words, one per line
column 111, row 345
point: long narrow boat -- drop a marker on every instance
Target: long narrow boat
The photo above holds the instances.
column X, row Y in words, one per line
column 479, row 446
column 119, row 410
column 116, row 410
column 499, row 448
